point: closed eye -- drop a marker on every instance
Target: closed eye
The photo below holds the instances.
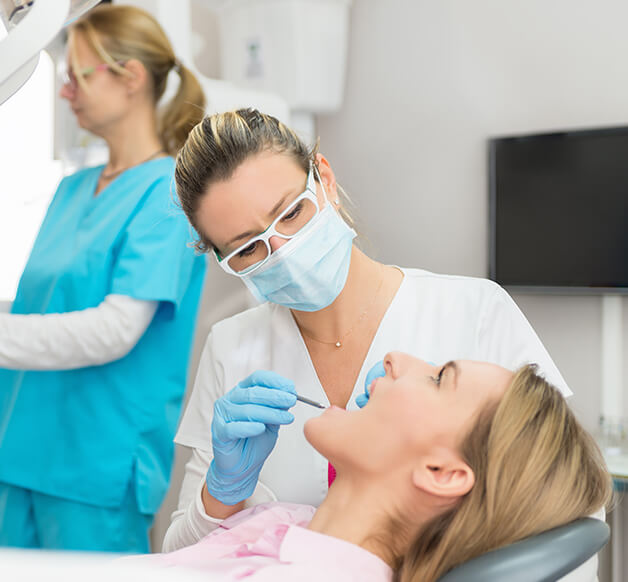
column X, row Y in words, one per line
column 442, row 371
column 438, row 378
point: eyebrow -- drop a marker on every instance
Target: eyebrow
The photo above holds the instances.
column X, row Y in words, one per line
column 451, row 365
column 274, row 210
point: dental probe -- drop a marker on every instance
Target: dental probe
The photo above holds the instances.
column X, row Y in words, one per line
column 310, row 402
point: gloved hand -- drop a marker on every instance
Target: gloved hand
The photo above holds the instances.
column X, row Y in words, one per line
column 244, row 431
column 375, row 372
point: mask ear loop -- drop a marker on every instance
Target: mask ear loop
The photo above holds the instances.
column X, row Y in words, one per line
column 320, row 181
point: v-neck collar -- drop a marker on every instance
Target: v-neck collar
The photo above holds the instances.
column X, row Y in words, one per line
column 118, row 180
column 306, row 354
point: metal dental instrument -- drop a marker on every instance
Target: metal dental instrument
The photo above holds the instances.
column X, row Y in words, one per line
column 310, row 402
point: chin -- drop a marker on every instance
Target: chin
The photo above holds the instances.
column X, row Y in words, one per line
column 326, row 432
column 310, row 430
column 320, row 434
column 80, row 122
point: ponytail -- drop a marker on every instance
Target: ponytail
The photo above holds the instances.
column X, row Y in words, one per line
column 183, row 112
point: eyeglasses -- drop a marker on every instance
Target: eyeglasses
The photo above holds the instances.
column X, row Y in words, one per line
column 294, row 219
column 68, row 77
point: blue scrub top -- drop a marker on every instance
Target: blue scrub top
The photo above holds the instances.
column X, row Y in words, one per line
column 84, row 434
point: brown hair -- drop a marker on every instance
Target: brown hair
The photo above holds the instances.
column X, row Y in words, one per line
column 535, row 469
column 118, row 33
column 218, row 145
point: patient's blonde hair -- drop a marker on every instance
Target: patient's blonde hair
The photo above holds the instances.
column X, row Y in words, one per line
column 535, row 469
column 220, row 143
column 118, row 33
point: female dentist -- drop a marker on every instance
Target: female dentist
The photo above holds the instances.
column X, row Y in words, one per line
column 270, row 210
column 94, row 354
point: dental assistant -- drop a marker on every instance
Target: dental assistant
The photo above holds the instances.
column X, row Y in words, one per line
column 95, row 352
column 271, row 211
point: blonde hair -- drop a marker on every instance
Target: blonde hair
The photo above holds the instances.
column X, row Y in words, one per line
column 535, row 469
column 118, row 33
column 218, row 145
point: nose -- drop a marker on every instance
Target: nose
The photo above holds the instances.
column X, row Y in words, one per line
column 392, row 362
column 396, row 362
column 67, row 91
column 276, row 242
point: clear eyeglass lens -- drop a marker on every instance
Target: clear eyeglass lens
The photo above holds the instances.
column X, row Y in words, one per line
column 249, row 256
column 295, row 218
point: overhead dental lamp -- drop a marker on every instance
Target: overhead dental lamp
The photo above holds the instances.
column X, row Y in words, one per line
column 26, row 27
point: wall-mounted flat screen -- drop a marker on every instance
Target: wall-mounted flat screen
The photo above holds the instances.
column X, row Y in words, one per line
column 559, row 211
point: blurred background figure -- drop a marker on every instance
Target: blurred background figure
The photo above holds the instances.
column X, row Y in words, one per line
column 95, row 350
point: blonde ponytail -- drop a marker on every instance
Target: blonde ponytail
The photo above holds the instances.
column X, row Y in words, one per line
column 119, row 33
column 183, row 112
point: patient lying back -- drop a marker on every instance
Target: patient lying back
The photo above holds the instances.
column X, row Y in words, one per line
column 443, row 464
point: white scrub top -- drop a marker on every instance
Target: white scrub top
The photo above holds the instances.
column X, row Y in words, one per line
column 435, row 317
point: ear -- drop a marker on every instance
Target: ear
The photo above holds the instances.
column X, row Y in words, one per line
column 138, row 76
column 328, row 178
column 448, row 479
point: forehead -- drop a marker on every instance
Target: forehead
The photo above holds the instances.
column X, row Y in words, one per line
column 465, row 385
column 483, row 379
column 244, row 201
column 80, row 48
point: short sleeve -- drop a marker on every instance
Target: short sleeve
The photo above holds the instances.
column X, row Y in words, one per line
column 194, row 430
column 506, row 337
column 155, row 260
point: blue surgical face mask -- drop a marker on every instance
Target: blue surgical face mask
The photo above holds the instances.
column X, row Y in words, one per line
column 309, row 271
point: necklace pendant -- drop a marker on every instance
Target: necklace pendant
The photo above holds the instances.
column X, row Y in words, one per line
column 338, row 344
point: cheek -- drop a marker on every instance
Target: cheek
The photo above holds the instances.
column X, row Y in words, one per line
column 406, row 416
column 398, row 406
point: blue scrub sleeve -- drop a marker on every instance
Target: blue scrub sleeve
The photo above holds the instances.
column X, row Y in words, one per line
column 155, row 258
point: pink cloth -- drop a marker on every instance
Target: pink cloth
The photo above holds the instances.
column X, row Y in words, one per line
column 269, row 542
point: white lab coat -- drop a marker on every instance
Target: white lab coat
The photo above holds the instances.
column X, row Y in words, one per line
column 435, row 317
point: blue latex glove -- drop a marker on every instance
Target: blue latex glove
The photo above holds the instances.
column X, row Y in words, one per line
column 376, row 371
column 244, row 431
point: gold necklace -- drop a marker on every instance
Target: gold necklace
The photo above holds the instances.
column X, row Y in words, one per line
column 108, row 176
column 338, row 343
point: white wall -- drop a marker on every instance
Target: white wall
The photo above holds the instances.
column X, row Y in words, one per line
column 428, row 83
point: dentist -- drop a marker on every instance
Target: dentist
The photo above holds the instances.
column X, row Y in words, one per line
column 271, row 212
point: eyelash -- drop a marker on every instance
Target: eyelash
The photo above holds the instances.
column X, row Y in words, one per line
column 438, row 378
column 294, row 213
column 248, row 250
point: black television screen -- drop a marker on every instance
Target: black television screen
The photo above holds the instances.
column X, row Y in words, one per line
column 559, row 210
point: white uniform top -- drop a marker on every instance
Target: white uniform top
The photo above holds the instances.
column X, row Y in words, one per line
column 435, row 317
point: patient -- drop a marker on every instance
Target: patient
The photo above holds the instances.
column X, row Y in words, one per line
column 443, row 464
